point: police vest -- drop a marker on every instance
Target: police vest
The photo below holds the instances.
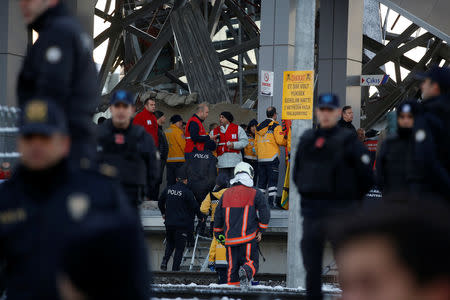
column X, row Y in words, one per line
column 121, row 151
column 230, row 135
column 190, row 145
column 323, row 165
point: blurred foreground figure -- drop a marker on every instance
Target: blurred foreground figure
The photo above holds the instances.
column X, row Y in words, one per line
column 332, row 173
column 394, row 253
column 59, row 65
column 46, row 200
column 105, row 260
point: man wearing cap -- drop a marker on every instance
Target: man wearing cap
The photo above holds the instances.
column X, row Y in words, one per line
column 45, row 201
column 178, row 208
column 129, row 149
column 396, row 165
column 177, row 143
column 59, row 66
column 269, row 138
column 432, row 128
column 231, row 139
column 332, row 173
column 147, row 119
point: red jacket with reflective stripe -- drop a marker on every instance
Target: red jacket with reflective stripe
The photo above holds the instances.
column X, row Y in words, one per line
column 230, row 135
column 190, row 144
column 236, row 215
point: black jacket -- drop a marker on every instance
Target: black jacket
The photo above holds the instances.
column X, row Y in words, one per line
column 177, row 203
column 133, row 153
column 202, row 171
column 344, row 124
column 332, row 170
column 396, row 165
column 39, row 211
column 59, row 66
column 163, row 146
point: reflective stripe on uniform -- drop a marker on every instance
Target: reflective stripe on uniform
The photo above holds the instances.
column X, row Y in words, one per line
column 218, row 229
column 175, row 159
column 268, row 159
column 188, row 137
column 249, row 261
column 250, row 157
column 240, row 240
column 244, row 221
column 263, row 226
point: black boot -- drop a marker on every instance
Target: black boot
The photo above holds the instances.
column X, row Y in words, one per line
column 163, row 266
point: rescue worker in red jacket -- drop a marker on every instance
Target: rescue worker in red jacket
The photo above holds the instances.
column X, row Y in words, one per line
column 196, row 135
column 147, row 119
column 237, row 225
column 231, row 140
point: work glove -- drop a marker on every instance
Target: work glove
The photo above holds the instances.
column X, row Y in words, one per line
column 221, row 239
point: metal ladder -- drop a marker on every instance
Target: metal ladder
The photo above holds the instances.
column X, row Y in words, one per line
column 196, row 258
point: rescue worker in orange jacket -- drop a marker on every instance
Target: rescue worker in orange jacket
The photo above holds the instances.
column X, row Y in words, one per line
column 177, row 143
column 237, row 225
column 269, row 138
column 196, row 135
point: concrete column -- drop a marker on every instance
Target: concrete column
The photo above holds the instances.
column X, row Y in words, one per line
column 340, row 50
column 277, row 46
column 13, row 44
column 303, row 61
column 84, row 10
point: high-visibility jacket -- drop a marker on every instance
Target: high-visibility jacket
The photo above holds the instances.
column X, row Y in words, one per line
column 269, row 138
column 250, row 150
column 217, row 255
column 210, row 203
column 230, row 135
column 190, row 144
column 237, row 215
column 177, row 143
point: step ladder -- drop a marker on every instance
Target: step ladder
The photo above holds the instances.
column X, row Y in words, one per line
column 195, row 258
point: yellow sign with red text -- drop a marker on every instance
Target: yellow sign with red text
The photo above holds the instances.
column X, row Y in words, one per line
column 298, row 91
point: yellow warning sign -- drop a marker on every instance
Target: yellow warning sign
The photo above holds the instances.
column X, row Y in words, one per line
column 298, row 91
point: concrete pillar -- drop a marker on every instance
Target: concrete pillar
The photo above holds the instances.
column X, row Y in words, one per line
column 303, row 61
column 277, row 46
column 84, row 10
column 340, row 50
column 13, row 44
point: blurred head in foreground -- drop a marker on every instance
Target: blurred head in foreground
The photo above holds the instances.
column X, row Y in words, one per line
column 394, row 252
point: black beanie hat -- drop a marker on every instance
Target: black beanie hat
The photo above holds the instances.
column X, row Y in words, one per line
column 253, row 122
column 158, row 114
column 227, row 115
column 175, row 118
column 182, row 173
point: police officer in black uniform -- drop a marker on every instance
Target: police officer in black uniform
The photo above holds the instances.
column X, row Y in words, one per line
column 432, row 130
column 46, row 200
column 59, row 66
column 129, row 148
column 332, row 173
column 178, row 208
column 397, row 170
column 202, row 171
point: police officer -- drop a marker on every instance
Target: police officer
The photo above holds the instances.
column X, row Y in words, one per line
column 432, row 129
column 241, row 217
column 396, row 166
column 128, row 148
column 201, row 168
column 45, row 201
column 59, row 66
column 104, row 260
column 178, row 208
column 332, row 173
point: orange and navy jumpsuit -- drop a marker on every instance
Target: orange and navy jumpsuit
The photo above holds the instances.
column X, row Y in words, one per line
column 236, row 217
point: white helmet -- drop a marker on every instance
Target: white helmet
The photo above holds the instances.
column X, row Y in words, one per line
column 244, row 167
